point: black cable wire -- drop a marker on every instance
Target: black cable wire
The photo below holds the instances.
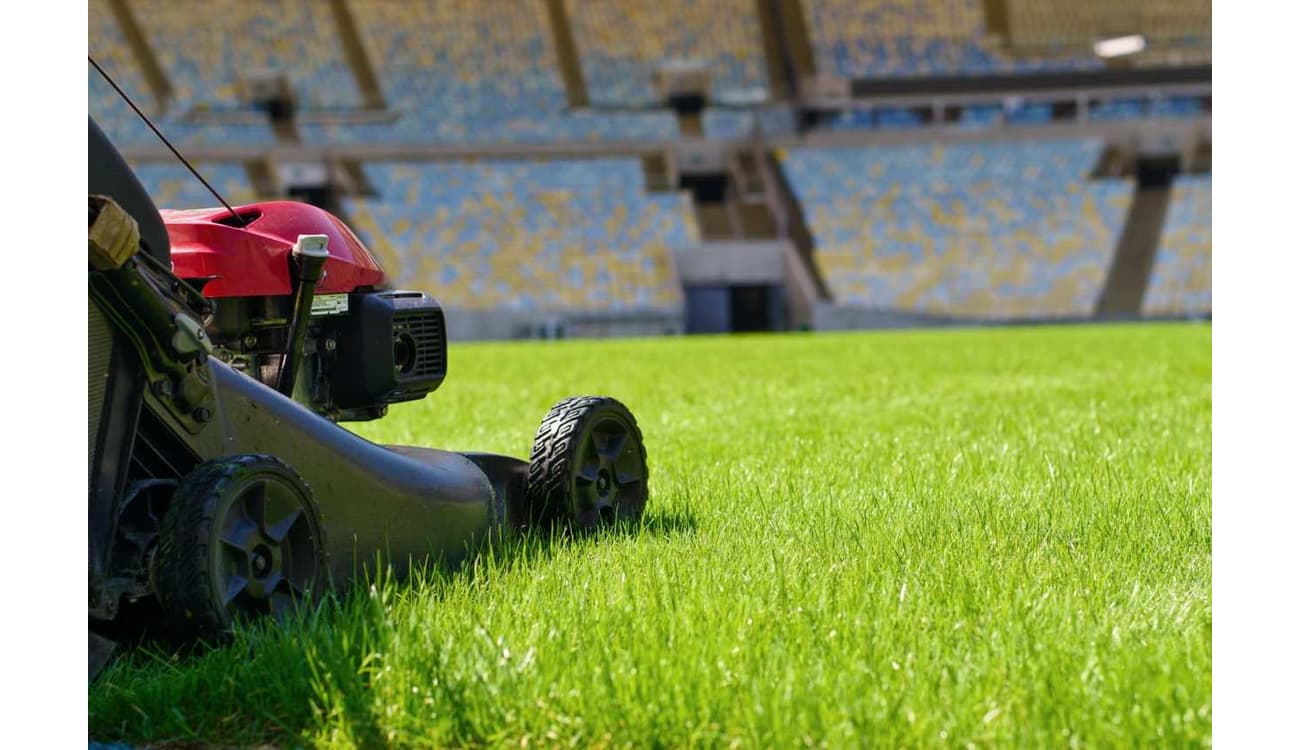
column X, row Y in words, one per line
column 163, row 138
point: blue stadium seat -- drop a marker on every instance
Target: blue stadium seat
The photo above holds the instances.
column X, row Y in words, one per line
column 621, row 43
column 972, row 230
column 1118, row 109
column 1180, row 282
column 528, row 235
column 980, row 116
column 891, row 39
column 109, row 48
column 1185, row 106
column 1033, row 113
column 206, row 47
column 473, row 73
column 172, row 185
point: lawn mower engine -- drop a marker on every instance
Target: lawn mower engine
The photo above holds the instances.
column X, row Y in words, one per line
column 303, row 307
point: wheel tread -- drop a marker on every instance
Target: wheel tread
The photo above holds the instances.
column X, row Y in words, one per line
column 180, row 575
column 554, row 449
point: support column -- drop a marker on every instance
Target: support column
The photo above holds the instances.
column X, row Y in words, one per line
column 154, row 77
column 363, row 71
column 566, row 54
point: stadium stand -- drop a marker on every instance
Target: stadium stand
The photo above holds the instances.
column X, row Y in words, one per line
column 1175, row 31
column 980, row 116
column 110, row 49
column 884, row 118
column 890, row 39
column 480, row 72
column 1177, row 107
column 1030, row 113
column 206, row 47
column 1137, row 109
column 992, row 231
column 172, row 186
column 572, row 235
column 1180, row 278
column 732, row 123
column 1118, row 109
column 922, row 221
column 622, row 42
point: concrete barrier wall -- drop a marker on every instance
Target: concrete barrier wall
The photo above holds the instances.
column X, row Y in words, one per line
column 482, row 325
column 828, row 316
column 728, row 263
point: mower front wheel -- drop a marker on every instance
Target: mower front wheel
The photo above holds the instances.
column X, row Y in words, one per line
column 588, row 465
column 242, row 538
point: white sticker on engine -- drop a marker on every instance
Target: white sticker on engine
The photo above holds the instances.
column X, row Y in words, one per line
column 329, row 304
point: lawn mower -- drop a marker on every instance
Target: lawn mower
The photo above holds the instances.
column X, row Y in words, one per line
column 224, row 347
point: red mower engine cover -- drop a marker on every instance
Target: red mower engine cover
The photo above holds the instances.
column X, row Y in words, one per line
column 212, row 245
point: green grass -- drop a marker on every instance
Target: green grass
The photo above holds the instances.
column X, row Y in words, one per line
column 940, row 538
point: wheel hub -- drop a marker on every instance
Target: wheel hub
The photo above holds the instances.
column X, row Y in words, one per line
column 263, row 548
column 260, row 561
column 608, row 464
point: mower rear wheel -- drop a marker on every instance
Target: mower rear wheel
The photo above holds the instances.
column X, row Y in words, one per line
column 588, row 466
column 242, row 538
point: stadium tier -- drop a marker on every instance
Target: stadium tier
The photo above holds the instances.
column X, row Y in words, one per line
column 921, row 220
column 992, row 231
column 109, row 47
column 455, row 72
column 172, row 186
column 1136, row 109
column 206, row 48
column 576, row 235
column 1180, row 278
column 1175, row 31
column 733, row 123
column 622, row 42
column 891, row 39
column 110, row 50
column 885, row 118
column 983, row 116
column 482, row 72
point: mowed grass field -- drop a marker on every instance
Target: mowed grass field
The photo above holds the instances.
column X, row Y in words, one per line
column 989, row 537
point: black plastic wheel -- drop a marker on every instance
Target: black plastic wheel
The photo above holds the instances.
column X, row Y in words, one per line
column 242, row 538
column 588, row 466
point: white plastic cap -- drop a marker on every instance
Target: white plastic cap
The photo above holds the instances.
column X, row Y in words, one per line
column 312, row 245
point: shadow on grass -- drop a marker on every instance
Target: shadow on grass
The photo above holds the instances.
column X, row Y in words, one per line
column 513, row 549
column 315, row 671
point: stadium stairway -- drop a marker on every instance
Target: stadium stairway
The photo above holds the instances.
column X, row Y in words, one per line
column 1135, row 252
column 791, row 218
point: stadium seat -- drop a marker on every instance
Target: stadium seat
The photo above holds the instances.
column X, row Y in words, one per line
column 577, row 235
column 1181, row 275
column 172, row 185
column 621, row 43
column 1177, row 107
column 206, row 47
column 742, row 123
column 1033, row 113
column 1118, row 109
column 980, row 116
column 890, row 39
column 481, row 72
column 110, row 49
column 1176, row 32
column 973, row 230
